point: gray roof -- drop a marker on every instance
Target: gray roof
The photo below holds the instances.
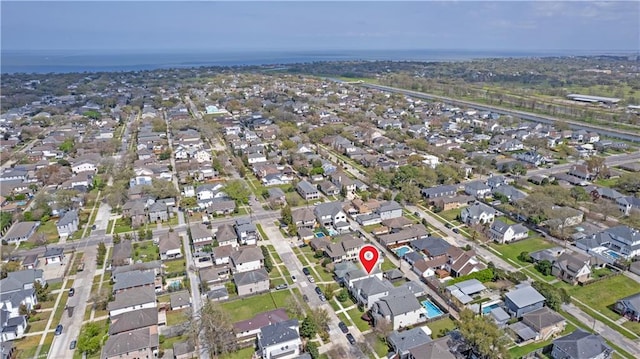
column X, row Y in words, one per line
column 580, row 345
column 372, row 286
column 632, row 302
column 170, row 241
column 510, row 192
column 251, row 277
column 389, row 206
column 524, row 296
column 408, row 339
column 500, row 315
column 133, row 279
column 53, row 252
column 542, row 318
column 470, row 287
column 275, row 192
column 499, row 226
column 436, row 349
column 20, row 230
column 328, row 209
column 218, row 292
column 476, row 186
column 121, row 251
column 226, row 233
column 245, row 255
column 427, row 192
column 306, row 187
column 133, row 320
column 179, row 299
column 279, row 333
column 69, row 217
column 523, row 331
column 200, row 231
column 132, row 297
column 183, row 348
column 435, row 246
column 128, row 342
column 399, row 301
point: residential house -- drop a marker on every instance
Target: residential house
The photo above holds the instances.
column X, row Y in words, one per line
column 404, row 236
column 436, row 349
column 439, row 191
column 277, row 197
column 369, row 290
column 222, row 254
column 544, row 322
column 220, row 207
column 582, row 172
column 580, row 345
column 68, row 224
column 511, row 193
column 629, row 307
column 16, row 290
column 170, row 246
column 132, row 299
column 477, row 189
column 184, row 350
column 134, row 279
column 447, row 203
column 522, row 300
column 122, row 253
column 133, row 320
column 201, row 235
column 612, row 243
column 247, row 259
column 478, row 213
column 20, row 232
column 180, row 300
column 307, row 191
column 330, row 214
column 389, row 210
column 158, row 212
column 572, row 267
column 328, row 188
column 400, row 308
column 627, row 204
column 506, row 233
column 280, row 340
column 251, row 282
column 304, row 217
column 461, row 263
column 246, row 231
column 53, row 255
column 139, row 343
column 249, row 329
column 347, row 249
column 226, row 236
column 401, row 343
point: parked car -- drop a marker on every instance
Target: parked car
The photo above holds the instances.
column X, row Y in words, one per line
column 351, row 339
column 72, row 292
column 281, row 286
column 73, row 344
column 305, row 298
column 448, row 225
column 58, row 329
column 311, row 280
column 293, row 278
column 322, row 298
column 456, row 230
column 343, row 327
column 306, row 271
column 318, row 290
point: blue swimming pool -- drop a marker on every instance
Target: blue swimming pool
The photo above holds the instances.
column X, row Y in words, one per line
column 319, row 234
column 21, row 203
column 613, row 254
column 432, row 309
column 489, row 308
column 401, row 251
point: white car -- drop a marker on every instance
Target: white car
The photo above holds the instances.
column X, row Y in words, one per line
column 293, row 278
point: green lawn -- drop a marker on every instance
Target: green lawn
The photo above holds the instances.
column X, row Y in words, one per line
column 48, row 340
column 518, row 352
column 506, row 220
column 632, row 326
column 121, row 226
column 381, row 348
column 48, row 228
column 451, row 214
column 175, row 266
column 387, row 265
column 261, row 231
column 240, row 354
column 604, row 294
column 37, row 326
column 439, row 326
column 176, row 317
column 513, row 250
column 168, row 342
column 355, row 315
column 27, row 346
column 245, row 308
column 145, row 251
column 60, row 308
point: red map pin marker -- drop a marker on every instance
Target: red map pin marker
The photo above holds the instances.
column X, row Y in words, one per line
column 369, row 257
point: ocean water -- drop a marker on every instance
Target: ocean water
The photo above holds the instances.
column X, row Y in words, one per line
column 96, row 61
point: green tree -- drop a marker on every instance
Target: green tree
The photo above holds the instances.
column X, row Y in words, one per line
column 213, row 325
column 286, row 215
column 66, row 146
column 343, row 295
column 92, row 114
column 579, row 194
column 544, row 267
column 188, row 202
column 483, row 335
column 308, row 328
column 8, row 267
column 238, row 191
column 90, row 338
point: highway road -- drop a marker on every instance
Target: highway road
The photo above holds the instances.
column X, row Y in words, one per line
column 614, row 133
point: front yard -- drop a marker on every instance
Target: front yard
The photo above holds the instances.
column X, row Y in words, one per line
column 512, row 250
column 246, row 308
column 146, row 251
column 603, row 295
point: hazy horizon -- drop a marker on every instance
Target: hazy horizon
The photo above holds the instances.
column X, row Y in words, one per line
column 304, row 26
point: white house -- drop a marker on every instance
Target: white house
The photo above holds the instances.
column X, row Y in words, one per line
column 68, row 224
column 247, row 259
column 478, row 213
column 431, row 161
column 202, row 156
column 256, row 158
column 400, row 308
column 505, row 233
column 84, row 166
column 389, row 210
column 132, row 299
column 328, row 214
column 280, row 340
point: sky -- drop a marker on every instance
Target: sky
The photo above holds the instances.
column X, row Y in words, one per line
column 328, row 25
